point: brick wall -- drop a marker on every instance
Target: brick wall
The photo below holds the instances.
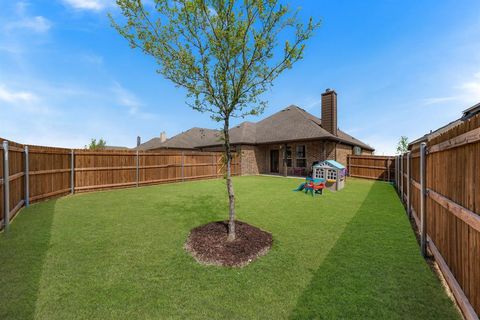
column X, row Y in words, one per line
column 342, row 152
column 253, row 160
column 256, row 159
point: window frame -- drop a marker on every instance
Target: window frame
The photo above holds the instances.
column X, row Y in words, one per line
column 357, row 151
column 297, row 157
column 288, row 158
column 332, row 174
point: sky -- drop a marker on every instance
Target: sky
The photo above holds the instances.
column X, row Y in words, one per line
column 399, row 67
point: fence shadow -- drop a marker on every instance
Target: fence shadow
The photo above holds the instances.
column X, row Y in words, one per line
column 22, row 253
column 375, row 270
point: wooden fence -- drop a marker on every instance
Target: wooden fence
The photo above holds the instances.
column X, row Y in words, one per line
column 371, row 167
column 445, row 204
column 37, row 173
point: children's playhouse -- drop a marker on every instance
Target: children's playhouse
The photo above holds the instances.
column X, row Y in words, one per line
column 332, row 172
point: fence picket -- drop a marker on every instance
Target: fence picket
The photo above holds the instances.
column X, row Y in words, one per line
column 38, row 173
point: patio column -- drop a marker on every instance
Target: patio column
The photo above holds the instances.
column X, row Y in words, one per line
column 285, row 169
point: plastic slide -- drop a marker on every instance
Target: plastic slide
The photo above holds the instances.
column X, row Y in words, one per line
column 300, row 187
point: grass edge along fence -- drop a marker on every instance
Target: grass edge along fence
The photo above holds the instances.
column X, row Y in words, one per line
column 34, row 173
column 438, row 181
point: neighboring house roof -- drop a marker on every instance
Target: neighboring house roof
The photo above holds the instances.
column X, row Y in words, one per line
column 150, row 144
column 467, row 113
column 290, row 124
column 189, row 139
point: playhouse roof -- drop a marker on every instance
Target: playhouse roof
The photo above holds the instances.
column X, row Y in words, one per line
column 331, row 163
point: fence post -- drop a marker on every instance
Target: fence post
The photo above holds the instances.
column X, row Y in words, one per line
column 349, row 160
column 72, row 171
column 6, row 187
column 388, row 170
column 214, row 167
column 396, row 172
column 423, row 194
column 183, row 159
column 137, row 172
column 409, row 196
column 402, row 180
column 27, row 177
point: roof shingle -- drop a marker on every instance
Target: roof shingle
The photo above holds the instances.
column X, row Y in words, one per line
column 290, row 124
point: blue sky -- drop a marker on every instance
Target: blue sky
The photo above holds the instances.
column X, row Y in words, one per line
column 399, row 68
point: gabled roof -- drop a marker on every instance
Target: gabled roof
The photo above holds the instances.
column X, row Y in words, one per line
column 244, row 133
column 290, row 124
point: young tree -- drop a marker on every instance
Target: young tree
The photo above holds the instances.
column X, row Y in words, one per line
column 223, row 52
column 94, row 145
column 402, row 145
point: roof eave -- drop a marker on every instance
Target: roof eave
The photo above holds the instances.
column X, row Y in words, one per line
column 336, row 139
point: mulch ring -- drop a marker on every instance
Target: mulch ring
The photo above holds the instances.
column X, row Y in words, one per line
column 208, row 244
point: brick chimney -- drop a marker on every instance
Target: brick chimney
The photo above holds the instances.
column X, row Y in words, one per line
column 329, row 111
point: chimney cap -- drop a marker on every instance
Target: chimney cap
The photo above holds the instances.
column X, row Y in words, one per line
column 328, row 91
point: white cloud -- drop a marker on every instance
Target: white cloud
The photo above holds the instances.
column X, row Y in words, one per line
column 36, row 24
column 429, row 101
column 126, row 98
column 467, row 93
column 92, row 58
column 22, row 101
column 10, row 96
column 472, row 88
column 95, row 5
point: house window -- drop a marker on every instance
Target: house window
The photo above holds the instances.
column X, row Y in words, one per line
column 301, row 160
column 357, row 150
column 288, row 156
column 331, row 174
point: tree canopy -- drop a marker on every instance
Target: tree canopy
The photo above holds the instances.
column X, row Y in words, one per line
column 402, row 145
column 96, row 145
column 225, row 53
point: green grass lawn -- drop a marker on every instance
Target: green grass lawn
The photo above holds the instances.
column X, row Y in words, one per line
column 119, row 255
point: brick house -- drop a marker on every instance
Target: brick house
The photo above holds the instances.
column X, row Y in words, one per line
column 286, row 143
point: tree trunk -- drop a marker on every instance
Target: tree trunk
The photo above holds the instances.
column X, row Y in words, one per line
column 231, row 195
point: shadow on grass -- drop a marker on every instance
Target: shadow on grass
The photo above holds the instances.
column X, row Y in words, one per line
column 198, row 210
column 375, row 271
column 22, row 253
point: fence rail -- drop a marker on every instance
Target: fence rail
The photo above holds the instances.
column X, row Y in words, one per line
column 445, row 205
column 34, row 173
